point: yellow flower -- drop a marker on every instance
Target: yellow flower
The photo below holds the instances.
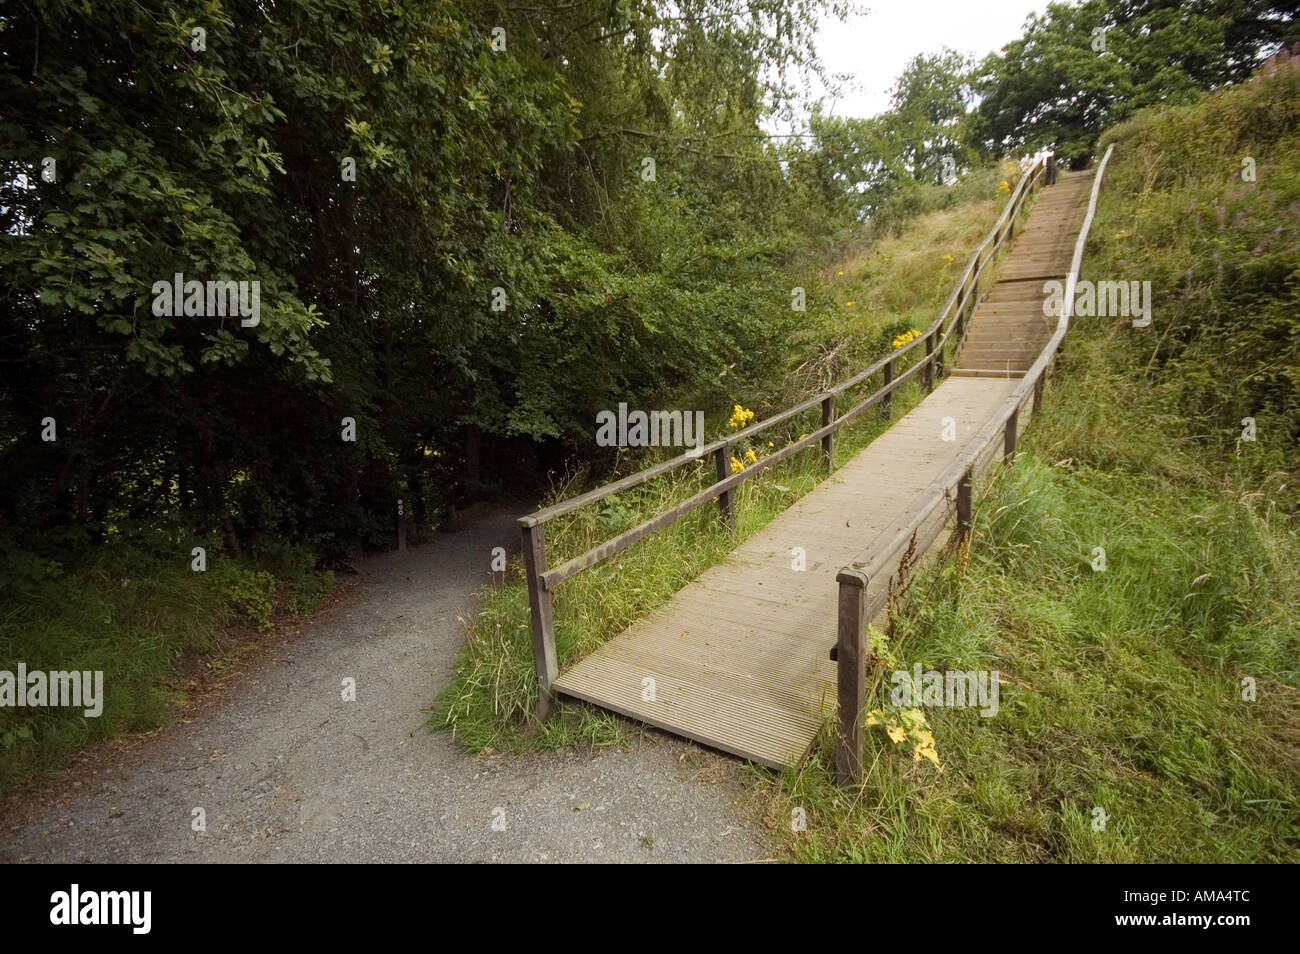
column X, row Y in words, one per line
column 909, row 729
column 948, row 259
column 736, row 466
column 841, row 274
column 770, row 444
column 1004, row 187
column 739, row 416
column 751, row 457
column 905, row 337
column 848, row 304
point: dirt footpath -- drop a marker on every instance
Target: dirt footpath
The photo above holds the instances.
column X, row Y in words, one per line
column 285, row 770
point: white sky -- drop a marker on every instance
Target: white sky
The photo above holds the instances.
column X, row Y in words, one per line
column 875, row 47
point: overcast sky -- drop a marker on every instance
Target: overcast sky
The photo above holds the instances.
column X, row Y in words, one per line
column 875, row 47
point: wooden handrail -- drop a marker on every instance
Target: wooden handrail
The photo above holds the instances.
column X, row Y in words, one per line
column 553, row 578
column 641, row 476
column 546, row 514
column 934, row 338
column 953, row 483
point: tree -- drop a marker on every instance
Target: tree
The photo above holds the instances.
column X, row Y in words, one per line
column 930, row 114
column 380, row 171
column 1078, row 69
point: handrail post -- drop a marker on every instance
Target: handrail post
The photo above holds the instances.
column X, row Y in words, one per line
column 851, row 659
column 964, row 508
column 543, row 625
column 959, row 322
column 886, row 403
column 828, row 442
column 1009, row 438
column 929, row 364
column 1038, row 393
column 722, row 465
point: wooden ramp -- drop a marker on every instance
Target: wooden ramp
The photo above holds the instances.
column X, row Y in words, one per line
column 741, row 655
column 739, row 658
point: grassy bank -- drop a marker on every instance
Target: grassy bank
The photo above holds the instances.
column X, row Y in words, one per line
column 131, row 607
column 1123, row 690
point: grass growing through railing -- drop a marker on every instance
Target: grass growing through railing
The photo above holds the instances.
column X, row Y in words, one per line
column 495, row 686
column 892, row 284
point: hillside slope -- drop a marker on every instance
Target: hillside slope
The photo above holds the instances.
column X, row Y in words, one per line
column 1149, row 709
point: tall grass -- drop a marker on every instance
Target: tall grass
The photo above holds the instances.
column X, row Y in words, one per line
column 1212, row 220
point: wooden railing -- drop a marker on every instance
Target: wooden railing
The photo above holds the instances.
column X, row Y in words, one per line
column 946, row 332
column 890, row 556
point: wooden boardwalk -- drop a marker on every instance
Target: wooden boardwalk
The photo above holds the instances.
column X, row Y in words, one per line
column 739, row 658
column 1009, row 329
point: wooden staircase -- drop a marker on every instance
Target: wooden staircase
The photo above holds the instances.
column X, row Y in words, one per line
column 1008, row 330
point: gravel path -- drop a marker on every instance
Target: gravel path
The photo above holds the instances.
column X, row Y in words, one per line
column 285, row 770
